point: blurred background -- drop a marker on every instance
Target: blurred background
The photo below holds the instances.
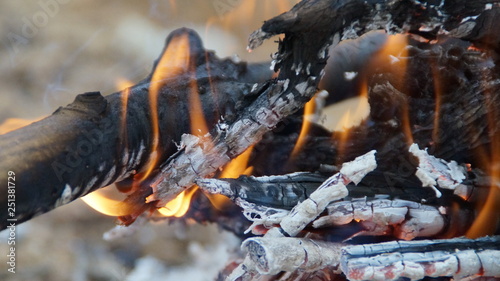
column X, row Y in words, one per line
column 52, row 50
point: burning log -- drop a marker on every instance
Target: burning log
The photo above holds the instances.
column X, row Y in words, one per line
column 301, row 59
column 72, row 171
column 98, row 140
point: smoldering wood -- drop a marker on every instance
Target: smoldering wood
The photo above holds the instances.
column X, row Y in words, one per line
column 286, row 191
column 295, row 72
column 433, row 171
column 457, row 257
column 282, row 192
column 404, row 219
column 308, row 38
column 87, row 144
column 305, row 212
column 330, row 190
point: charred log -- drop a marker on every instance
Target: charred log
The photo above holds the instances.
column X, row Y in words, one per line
column 98, row 140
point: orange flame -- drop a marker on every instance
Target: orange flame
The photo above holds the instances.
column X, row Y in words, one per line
column 488, row 218
column 346, row 114
column 174, row 61
column 198, row 123
column 437, row 110
column 237, row 167
column 179, row 205
column 12, row 124
column 309, row 109
column 106, row 201
column 396, row 52
column 122, row 83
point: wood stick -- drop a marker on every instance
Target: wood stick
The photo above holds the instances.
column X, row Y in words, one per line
column 301, row 254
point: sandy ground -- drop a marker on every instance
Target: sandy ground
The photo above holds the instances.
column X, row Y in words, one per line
column 52, row 50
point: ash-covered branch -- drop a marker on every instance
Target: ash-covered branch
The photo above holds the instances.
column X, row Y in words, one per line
column 267, row 254
column 403, row 219
column 457, row 258
column 433, row 171
column 283, row 192
column 334, row 188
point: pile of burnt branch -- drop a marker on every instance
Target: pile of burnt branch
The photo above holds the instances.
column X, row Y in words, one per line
column 419, row 168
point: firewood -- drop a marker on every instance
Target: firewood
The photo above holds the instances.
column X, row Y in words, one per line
column 87, row 144
column 301, row 59
column 74, row 170
column 458, row 257
column 305, row 212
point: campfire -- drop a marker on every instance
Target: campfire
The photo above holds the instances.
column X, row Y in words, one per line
column 404, row 186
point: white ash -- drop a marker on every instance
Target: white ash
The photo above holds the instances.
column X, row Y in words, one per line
column 416, row 259
column 90, row 184
column 332, row 189
column 352, row 31
column 349, row 75
column 424, row 222
column 357, row 169
column 200, row 157
column 380, row 216
column 273, row 65
column 260, row 215
column 463, row 30
column 205, row 263
column 268, row 254
column 434, row 172
column 305, row 212
column 417, row 265
column 67, row 195
column 108, row 178
column 301, row 87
